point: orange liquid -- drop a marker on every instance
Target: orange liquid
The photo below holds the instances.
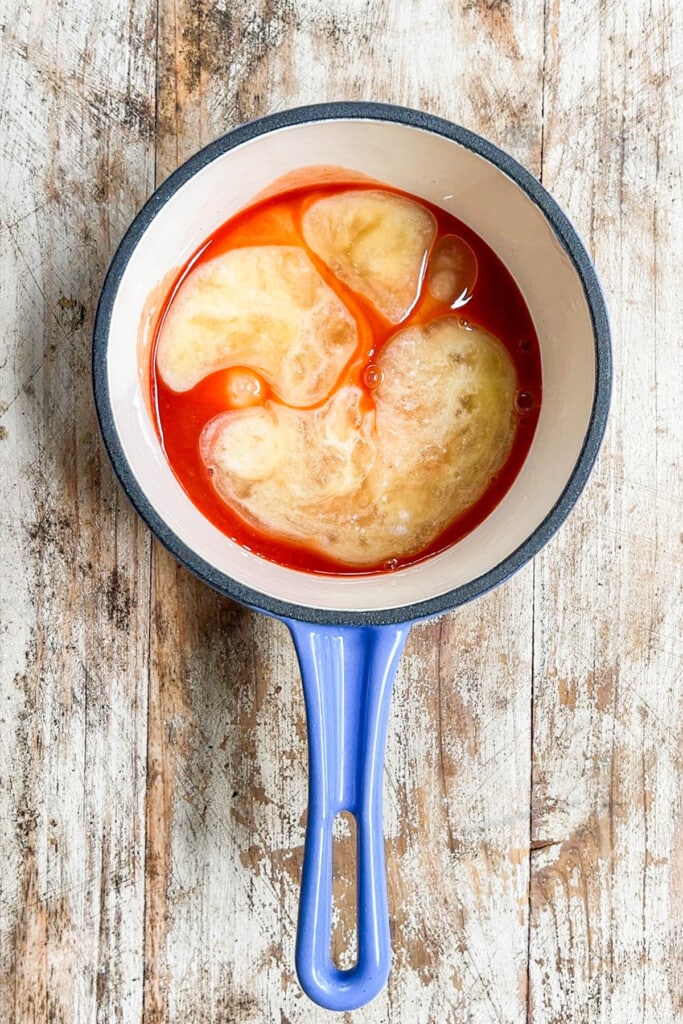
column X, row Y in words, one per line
column 496, row 305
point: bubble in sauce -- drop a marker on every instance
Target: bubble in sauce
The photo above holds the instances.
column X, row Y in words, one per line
column 524, row 401
column 372, row 376
column 243, row 387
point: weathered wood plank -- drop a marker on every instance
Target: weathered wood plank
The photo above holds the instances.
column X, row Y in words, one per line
column 209, row 919
column 227, row 751
column 607, row 882
column 77, row 159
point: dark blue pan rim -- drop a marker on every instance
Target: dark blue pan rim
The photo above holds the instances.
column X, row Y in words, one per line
column 566, row 235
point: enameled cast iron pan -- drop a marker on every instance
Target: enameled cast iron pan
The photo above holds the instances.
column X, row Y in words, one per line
column 349, row 631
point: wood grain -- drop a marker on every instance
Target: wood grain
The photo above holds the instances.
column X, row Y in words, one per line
column 607, row 886
column 152, row 747
column 78, row 160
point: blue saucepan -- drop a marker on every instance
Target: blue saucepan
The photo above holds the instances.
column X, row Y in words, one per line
column 349, row 631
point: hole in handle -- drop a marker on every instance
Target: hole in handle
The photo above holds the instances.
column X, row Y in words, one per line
column 344, row 938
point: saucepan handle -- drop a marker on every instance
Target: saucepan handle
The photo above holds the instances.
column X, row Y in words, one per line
column 348, row 674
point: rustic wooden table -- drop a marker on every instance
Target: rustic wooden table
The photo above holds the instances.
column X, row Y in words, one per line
column 152, row 748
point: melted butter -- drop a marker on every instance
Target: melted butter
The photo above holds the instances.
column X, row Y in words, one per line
column 188, row 421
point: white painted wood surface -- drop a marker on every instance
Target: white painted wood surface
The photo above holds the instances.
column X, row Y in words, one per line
column 152, row 750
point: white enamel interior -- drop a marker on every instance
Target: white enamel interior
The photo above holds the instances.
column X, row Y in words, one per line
column 477, row 192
